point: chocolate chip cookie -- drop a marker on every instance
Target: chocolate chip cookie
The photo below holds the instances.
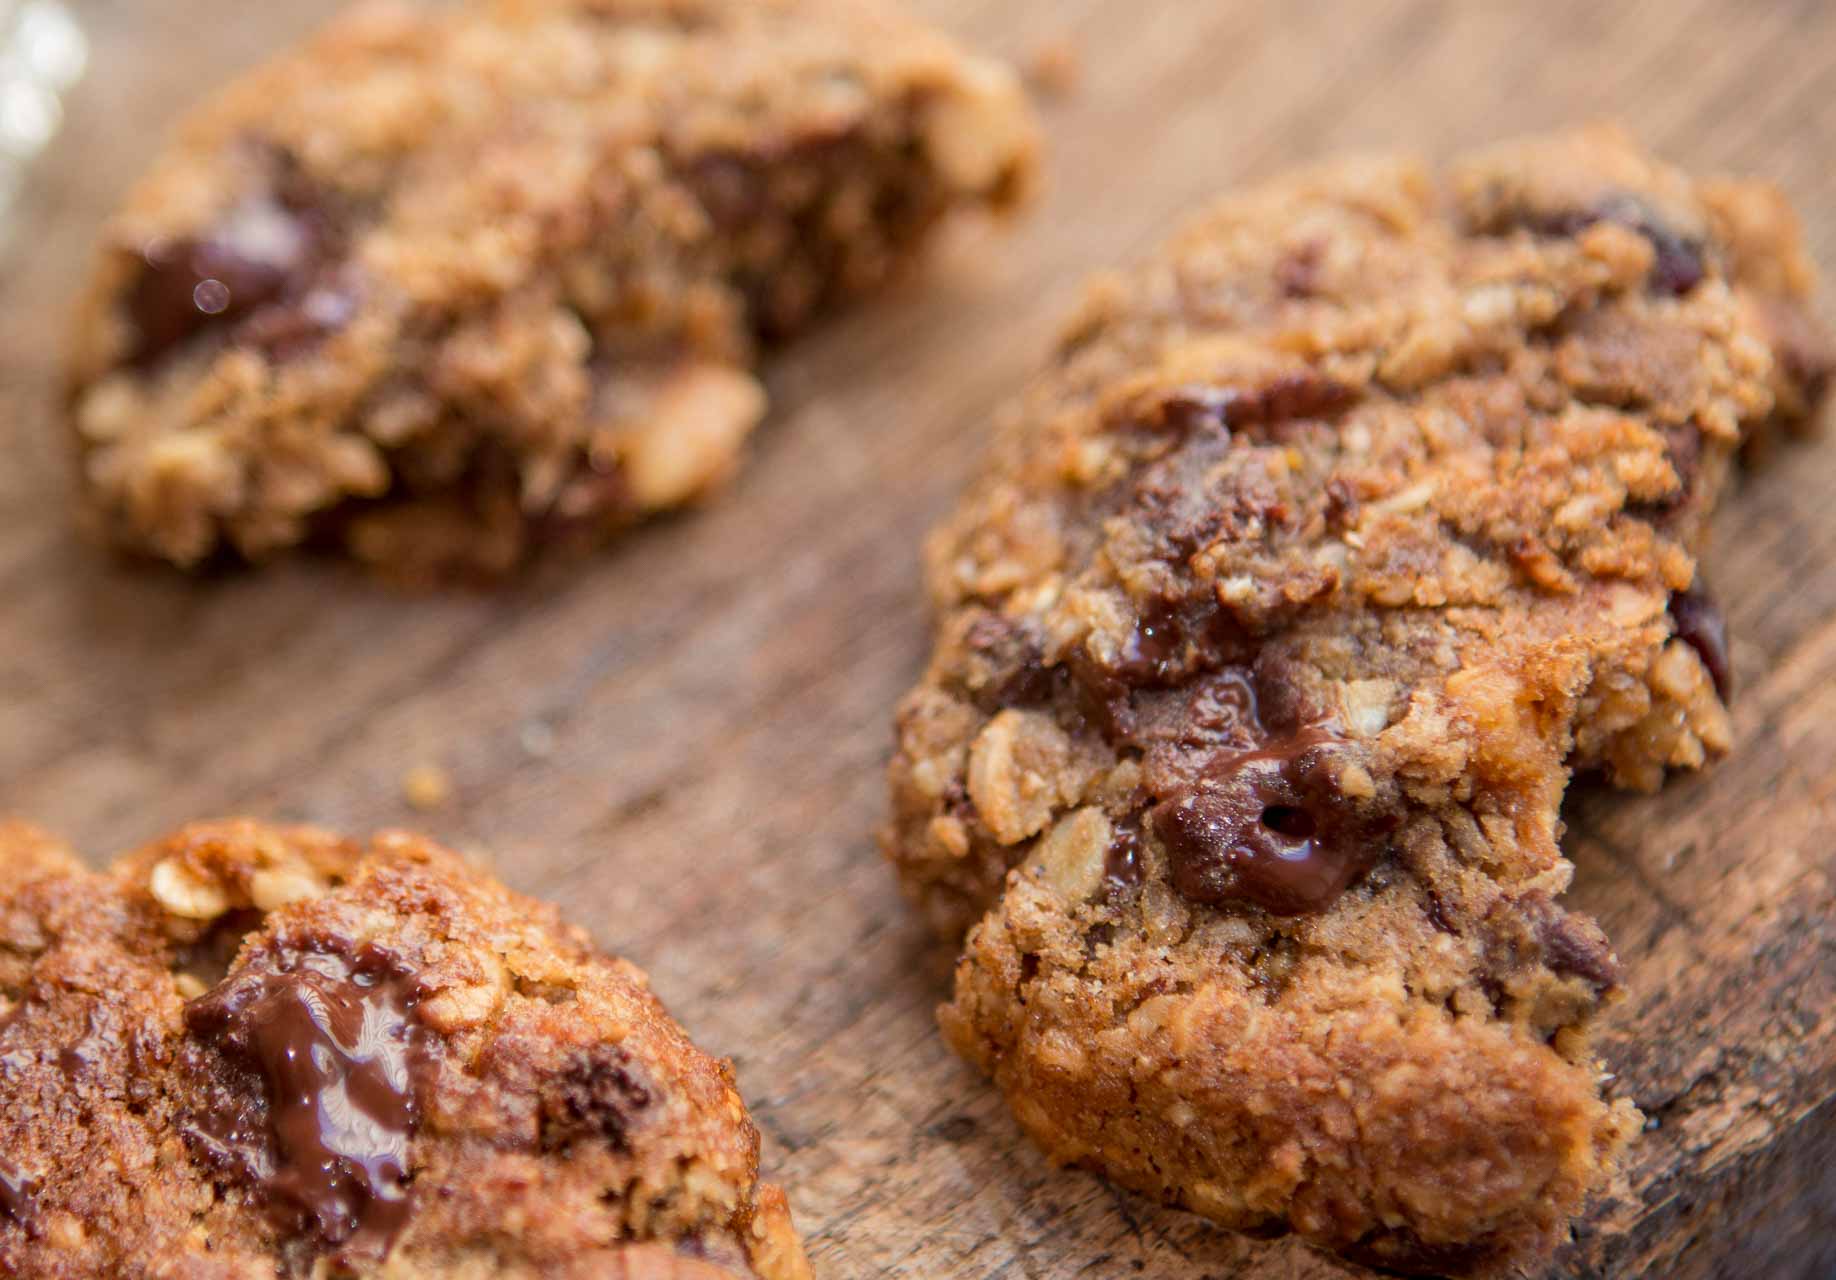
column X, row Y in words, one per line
column 258, row 1051
column 1332, row 541
column 448, row 284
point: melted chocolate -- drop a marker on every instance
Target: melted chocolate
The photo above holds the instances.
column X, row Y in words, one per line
column 260, row 275
column 1261, row 826
column 1700, row 625
column 338, row 1060
column 1171, row 642
column 1122, row 862
column 188, row 285
column 18, row 1194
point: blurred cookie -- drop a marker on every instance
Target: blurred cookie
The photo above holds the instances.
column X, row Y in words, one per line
column 443, row 286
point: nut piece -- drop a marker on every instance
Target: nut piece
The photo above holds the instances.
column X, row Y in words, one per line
column 466, row 1005
column 185, row 893
column 272, row 888
column 1015, row 767
column 1073, row 854
column 980, row 135
column 1367, row 705
column 690, row 433
column 426, row 787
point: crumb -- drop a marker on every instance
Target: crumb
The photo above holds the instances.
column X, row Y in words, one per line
column 1055, row 67
column 426, row 787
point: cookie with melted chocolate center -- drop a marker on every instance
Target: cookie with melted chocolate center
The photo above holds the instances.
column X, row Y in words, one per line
column 252, row 1050
column 1330, row 543
column 450, row 284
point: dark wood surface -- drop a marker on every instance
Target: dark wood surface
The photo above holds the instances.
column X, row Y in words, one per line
column 681, row 740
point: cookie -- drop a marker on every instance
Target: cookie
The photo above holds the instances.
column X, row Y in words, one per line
column 1332, row 541
column 250, row 1050
column 444, row 286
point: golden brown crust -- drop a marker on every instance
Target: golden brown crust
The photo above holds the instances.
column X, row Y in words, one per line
column 532, row 1110
column 442, row 286
column 1332, row 540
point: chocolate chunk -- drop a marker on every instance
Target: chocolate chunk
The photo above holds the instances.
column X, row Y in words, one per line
column 1171, row 642
column 327, row 1060
column 1297, row 273
column 1699, row 624
column 1191, row 499
column 1290, row 396
column 1015, row 656
column 602, row 1094
column 1677, row 267
column 1575, row 946
column 1437, row 913
column 261, row 252
column 1289, row 694
column 1102, row 696
column 18, row 1195
column 598, row 497
column 1677, row 264
column 1342, row 505
column 1683, row 448
column 1522, row 933
column 1265, row 826
column 1122, row 863
column 208, row 958
column 730, row 188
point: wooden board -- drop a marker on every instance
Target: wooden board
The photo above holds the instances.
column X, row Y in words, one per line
column 682, row 740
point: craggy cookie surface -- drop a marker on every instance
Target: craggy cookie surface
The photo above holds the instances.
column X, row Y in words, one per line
column 445, row 285
column 256, row 1051
column 1333, row 540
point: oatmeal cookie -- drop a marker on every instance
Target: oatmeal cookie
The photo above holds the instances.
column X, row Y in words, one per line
column 259, row 1051
column 444, row 285
column 1332, row 541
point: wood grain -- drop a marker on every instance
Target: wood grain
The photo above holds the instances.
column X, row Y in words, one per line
column 682, row 739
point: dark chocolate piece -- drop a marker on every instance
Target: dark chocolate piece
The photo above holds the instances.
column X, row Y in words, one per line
column 1676, row 266
column 325, row 1127
column 1122, row 863
column 1702, row 627
column 261, row 253
column 603, row 1094
column 1261, row 826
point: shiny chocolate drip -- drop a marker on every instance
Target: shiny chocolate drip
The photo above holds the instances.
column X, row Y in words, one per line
column 340, row 1059
column 1261, row 826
